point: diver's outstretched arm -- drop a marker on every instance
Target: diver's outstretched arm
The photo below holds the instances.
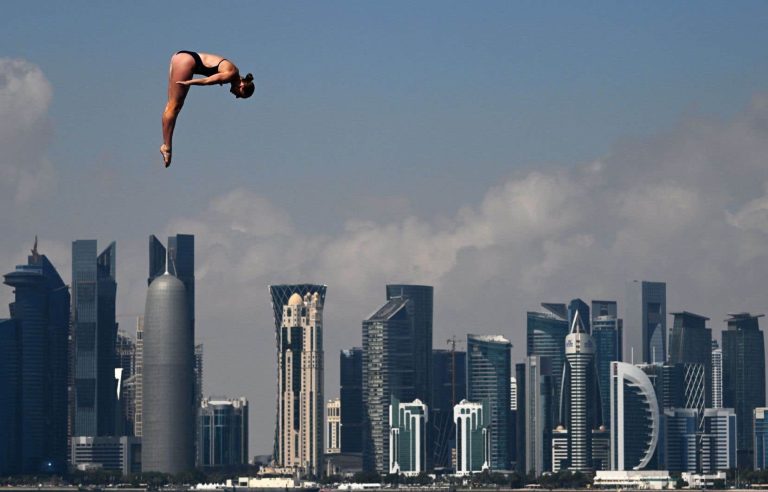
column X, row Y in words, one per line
column 218, row 78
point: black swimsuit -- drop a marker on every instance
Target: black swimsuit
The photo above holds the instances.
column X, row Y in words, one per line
column 201, row 69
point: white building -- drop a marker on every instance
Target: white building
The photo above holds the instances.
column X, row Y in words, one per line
column 700, row 481
column 633, row 479
column 407, row 437
column 559, row 449
column 333, row 426
column 472, row 437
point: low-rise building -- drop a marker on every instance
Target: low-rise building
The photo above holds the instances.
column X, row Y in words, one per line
column 633, row 479
column 115, row 453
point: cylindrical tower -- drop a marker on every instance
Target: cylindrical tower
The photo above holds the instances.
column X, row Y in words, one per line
column 168, row 390
column 580, row 353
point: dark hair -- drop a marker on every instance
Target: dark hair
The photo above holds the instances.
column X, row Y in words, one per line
column 249, row 87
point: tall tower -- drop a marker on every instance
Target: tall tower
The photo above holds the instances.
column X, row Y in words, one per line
column 408, row 437
column 743, row 376
column 690, row 343
column 279, row 295
column 535, row 380
column 448, row 388
column 300, row 363
column 645, row 322
column 472, row 437
column 635, row 419
column 717, row 375
column 168, row 382
column 489, row 369
column 138, row 418
column 94, row 332
column 395, row 364
column 38, row 372
column 607, row 334
column 580, row 354
column 545, row 337
column 351, row 396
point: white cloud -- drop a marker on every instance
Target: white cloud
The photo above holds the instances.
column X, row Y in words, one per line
column 25, row 95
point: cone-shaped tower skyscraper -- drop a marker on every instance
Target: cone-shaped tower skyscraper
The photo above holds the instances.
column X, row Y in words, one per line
column 168, row 390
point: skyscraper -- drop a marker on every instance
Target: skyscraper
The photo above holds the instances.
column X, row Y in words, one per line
column 223, row 432
column 607, row 334
column 351, row 396
column 397, row 362
column 680, row 440
column 125, row 349
column 489, row 369
column 743, row 376
column 408, row 437
column 94, row 333
column 718, row 451
column 168, row 380
column 449, row 386
column 635, row 420
column 473, row 445
column 420, row 311
column 690, row 342
column 9, row 397
column 138, row 419
column 279, row 295
column 545, row 337
column 35, row 367
column 645, row 322
column 536, row 434
column 580, row 392
column 717, row 375
column 301, row 403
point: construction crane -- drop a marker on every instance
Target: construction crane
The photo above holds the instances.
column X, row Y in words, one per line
column 452, row 342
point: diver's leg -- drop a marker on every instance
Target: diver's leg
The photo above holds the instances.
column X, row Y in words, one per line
column 181, row 68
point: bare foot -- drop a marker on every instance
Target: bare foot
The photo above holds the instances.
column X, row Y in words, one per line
column 166, row 151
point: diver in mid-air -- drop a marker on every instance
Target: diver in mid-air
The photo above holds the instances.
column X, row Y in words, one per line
column 185, row 64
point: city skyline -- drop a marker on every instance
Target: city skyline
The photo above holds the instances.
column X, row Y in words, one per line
column 506, row 154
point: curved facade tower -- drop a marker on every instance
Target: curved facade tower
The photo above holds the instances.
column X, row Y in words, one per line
column 635, row 422
column 168, row 411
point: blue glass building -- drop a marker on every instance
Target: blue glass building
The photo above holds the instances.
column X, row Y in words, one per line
column 449, row 387
column 351, row 396
column 743, row 376
column 760, row 443
column 645, row 322
column 607, row 335
column 38, row 372
column 223, row 432
column 94, row 331
column 546, row 334
column 489, row 368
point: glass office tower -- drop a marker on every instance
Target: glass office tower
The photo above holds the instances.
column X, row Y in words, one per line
column 645, row 322
column 607, row 334
column 94, row 332
column 448, row 389
column 489, row 369
column 351, row 396
column 38, row 372
column 545, row 337
column 743, row 376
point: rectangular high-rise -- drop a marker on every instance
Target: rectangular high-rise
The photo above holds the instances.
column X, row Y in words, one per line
column 397, row 362
column 690, row 342
column 333, row 426
column 300, row 385
column 537, row 431
column 645, row 322
column 449, row 386
column 94, row 331
column 489, row 369
column 545, row 337
column 743, row 376
column 351, row 396
column 408, row 437
column 760, row 441
column 472, row 437
column 607, row 335
column 34, row 365
column 718, row 449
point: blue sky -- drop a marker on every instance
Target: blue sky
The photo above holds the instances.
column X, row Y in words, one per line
column 506, row 152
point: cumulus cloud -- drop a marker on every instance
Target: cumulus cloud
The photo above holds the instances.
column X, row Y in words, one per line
column 25, row 95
